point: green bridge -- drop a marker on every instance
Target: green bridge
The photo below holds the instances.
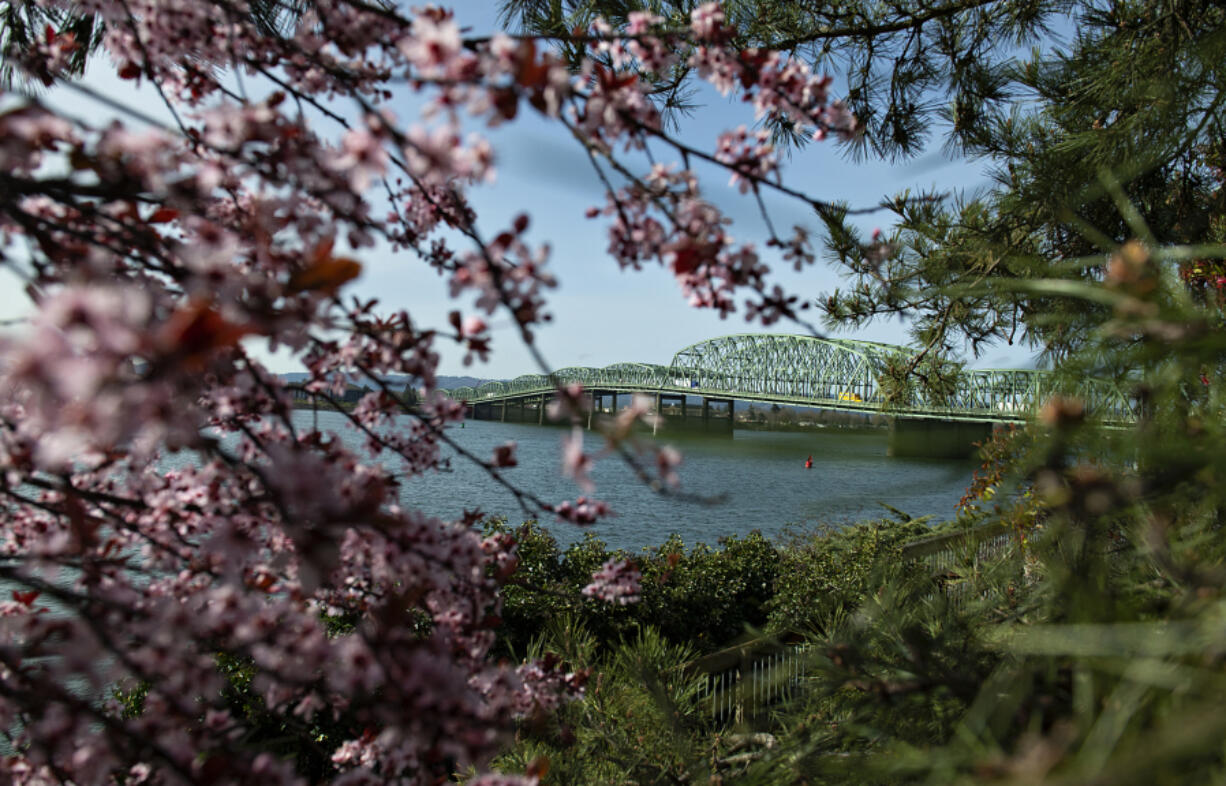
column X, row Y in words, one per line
column 830, row 374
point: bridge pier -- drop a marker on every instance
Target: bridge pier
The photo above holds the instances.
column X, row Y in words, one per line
column 507, row 410
column 684, row 420
column 928, row 438
column 909, row 437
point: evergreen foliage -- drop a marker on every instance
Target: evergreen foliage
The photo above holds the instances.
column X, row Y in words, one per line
column 642, row 719
column 639, row 721
column 1089, row 652
column 900, row 59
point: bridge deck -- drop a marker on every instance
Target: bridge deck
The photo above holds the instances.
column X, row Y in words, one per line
column 821, row 373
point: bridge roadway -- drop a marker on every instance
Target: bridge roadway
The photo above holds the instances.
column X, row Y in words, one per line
column 831, row 374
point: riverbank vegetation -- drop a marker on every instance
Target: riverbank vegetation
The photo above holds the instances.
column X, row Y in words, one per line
column 1075, row 651
column 701, row 597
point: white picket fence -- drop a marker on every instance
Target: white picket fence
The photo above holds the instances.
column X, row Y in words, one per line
column 755, row 682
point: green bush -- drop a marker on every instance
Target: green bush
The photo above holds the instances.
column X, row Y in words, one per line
column 702, row 597
column 828, row 572
column 707, row 597
column 894, row 659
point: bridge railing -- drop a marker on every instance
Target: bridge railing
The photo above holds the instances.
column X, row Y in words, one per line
column 980, row 394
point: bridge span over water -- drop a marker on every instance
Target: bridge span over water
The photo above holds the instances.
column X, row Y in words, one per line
column 830, row 374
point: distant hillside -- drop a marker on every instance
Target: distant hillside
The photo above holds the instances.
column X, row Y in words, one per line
column 460, row 382
column 399, row 380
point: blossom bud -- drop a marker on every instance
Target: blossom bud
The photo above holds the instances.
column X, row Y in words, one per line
column 474, row 325
column 504, row 455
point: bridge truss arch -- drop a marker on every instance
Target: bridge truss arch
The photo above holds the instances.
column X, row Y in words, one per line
column 824, row 373
column 804, row 369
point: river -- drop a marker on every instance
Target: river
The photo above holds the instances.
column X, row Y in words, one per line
column 758, row 476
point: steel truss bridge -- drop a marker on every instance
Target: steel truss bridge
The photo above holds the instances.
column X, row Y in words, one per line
column 838, row 374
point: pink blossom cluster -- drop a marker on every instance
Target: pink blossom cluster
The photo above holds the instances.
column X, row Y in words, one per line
column 638, row 46
column 751, row 157
column 617, row 581
column 156, row 257
column 780, row 87
column 507, row 273
column 665, row 218
column 582, row 511
column 545, row 683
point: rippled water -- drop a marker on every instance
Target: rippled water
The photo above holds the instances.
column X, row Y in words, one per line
column 759, row 476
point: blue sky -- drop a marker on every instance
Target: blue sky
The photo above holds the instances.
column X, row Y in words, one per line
column 603, row 315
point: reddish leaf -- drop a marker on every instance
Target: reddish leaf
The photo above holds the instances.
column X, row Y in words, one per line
column 26, row 598
column 538, row 768
column 197, row 331
column 685, row 260
column 506, row 102
column 530, row 72
column 612, row 81
column 325, row 275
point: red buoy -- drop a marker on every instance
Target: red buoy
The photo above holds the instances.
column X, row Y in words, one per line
column 809, row 463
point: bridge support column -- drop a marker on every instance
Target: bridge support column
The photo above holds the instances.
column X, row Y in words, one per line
column 540, row 411
column 923, row 438
column 715, row 424
column 677, row 418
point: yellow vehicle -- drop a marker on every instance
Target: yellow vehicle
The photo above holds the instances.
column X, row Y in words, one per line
column 849, row 396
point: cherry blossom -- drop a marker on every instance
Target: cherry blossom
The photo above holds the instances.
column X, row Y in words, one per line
column 750, row 158
column 165, row 510
column 707, row 21
column 582, row 511
column 617, row 581
column 668, row 459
